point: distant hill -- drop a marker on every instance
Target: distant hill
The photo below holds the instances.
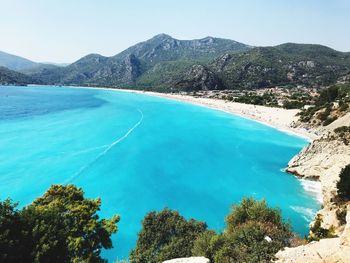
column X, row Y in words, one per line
column 10, row 77
column 127, row 68
column 23, row 65
column 15, row 62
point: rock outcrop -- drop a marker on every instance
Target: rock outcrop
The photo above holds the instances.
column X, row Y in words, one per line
column 188, row 260
column 323, row 160
column 326, row 250
column 197, row 78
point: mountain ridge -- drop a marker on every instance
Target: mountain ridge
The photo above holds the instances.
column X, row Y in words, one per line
column 124, row 68
column 163, row 63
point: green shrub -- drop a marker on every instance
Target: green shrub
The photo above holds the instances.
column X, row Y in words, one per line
column 252, row 210
column 342, row 129
column 329, row 120
column 343, row 106
column 207, row 244
column 249, row 243
column 318, row 232
column 254, row 233
column 341, row 215
column 165, row 235
column 324, row 115
column 343, row 184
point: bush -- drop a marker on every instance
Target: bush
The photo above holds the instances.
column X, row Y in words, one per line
column 343, row 184
column 293, row 104
column 324, row 115
column 249, row 243
column 341, row 215
column 254, row 233
column 343, row 106
column 328, row 95
column 165, row 235
column 329, row 120
column 318, row 232
column 342, row 129
column 252, row 210
column 207, row 244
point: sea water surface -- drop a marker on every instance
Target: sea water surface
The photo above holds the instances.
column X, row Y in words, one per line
column 141, row 153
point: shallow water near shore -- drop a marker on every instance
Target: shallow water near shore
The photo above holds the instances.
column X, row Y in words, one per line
column 141, row 153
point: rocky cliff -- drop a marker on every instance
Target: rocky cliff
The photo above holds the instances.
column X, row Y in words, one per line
column 326, row 250
column 323, row 160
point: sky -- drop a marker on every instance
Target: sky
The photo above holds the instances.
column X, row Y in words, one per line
column 62, row 31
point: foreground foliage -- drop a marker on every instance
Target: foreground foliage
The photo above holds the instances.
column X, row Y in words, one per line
column 254, row 233
column 165, row 235
column 60, row 226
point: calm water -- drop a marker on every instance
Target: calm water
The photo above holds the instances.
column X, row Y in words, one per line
column 140, row 153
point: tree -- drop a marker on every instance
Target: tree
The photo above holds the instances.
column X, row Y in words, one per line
column 207, row 244
column 328, row 95
column 254, row 233
column 12, row 243
column 165, row 235
column 343, row 184
column 253, row 210
column 60, row 226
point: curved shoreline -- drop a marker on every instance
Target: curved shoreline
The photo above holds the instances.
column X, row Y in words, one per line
column 262, row 114
column 277, row 118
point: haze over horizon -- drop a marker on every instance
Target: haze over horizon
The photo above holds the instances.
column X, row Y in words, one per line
column 63, row 31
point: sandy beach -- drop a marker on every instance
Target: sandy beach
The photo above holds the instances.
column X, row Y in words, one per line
column 278, row 118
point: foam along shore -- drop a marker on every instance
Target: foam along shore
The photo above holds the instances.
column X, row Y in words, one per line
column 278, row 118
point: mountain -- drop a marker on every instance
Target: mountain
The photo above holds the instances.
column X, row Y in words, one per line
column 150, row 57
column 163, row 63
column 23, row 65
column 294, row 64
column 10, row 77
column 15, row 62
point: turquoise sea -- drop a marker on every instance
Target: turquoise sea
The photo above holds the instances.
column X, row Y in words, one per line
column 141, row 153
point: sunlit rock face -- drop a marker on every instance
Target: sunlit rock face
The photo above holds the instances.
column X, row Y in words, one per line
column 188, row 260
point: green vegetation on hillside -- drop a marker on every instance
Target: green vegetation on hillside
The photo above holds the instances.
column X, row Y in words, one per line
column 343, row 184
column 317, row 232
column 10, row 77
column 60, row 226
column 332, row 102
column 297, row 64
column 267, row 99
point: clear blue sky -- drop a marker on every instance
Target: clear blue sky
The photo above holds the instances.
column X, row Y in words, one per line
column 65, row 30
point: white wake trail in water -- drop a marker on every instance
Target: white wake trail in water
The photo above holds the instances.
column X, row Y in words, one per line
column 84, row 168
column 85, row 150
